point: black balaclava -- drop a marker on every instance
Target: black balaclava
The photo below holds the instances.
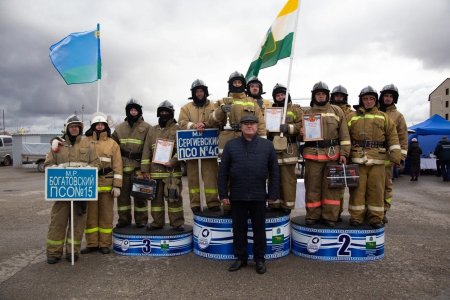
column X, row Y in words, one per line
column 130, row 119
column 163, row 118
column 199, row 102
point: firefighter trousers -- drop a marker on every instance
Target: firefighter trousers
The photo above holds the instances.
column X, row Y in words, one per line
column 209, row 176
column 59, row 230
column 99, row 223
column 388, row 190
column 124, row 204
column 288, row 188
column 366, row 200
column 322, row 202
column 175, row 209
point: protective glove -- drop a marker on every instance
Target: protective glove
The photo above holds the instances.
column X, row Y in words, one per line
column 55, row 144
column 284, row 128
column 115, row 192
column 226, row 108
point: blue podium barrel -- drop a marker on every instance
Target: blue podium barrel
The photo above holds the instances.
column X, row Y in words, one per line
column 213, row 236
column 342, row 243
column 132, row 241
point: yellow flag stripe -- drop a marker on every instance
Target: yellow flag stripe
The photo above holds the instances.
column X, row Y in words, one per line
column 288, row 8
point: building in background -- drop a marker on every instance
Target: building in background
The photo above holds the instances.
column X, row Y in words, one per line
column 440, row 100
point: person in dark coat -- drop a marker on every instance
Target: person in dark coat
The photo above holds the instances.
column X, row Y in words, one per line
column 442, row 153
column 246, row 163
column 414, row 153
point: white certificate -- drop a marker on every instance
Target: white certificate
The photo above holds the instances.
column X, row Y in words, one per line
column 312, row 125
column 273, row 116
column 163, row 151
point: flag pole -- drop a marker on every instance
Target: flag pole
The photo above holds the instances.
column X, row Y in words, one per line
column 99, row 68
column 291, row 60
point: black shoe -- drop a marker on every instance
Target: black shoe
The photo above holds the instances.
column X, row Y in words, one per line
column 330, row 224
column 196, row 209
column 88, row 250
column 69, row 257
column 412, row 179
column 214, row 208
column 141, row 225
column 122, row 224
column 310, row 222
column 179, row 228
column 339, row 220
column 151, row 227
column 260, row 267
column 237, row 264
column 104, row 250
column 377, row 225
column 385, row 219
column 355, row 224
column 51, row 260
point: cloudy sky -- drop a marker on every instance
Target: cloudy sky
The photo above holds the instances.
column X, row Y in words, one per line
column 152, row 50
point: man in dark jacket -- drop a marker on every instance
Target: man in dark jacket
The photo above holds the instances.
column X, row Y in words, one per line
column 247, row 162
column 442, row 152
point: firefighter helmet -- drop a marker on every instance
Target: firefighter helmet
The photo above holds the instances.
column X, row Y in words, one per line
column 368, row 90
column 199, row 84
column 73, row 119
column 339, row 90
column 99, row 117
column 255, row 79
column 389, row 89
column 167, row 106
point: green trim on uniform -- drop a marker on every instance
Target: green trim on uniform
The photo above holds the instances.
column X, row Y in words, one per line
column 131, row 141
column 157, row 208
column 128, row 169
column 91, row 230
column 292, row 114
column 55, row 243
column 175, row 209
column 105, row 188
column 123, row 208
column 368, row 116
column 141, row 209
column 145, row 161
column 244, row 103
column 207, row 191
column 388, row 200
column 69, row 241
column 165, row 175
column 105, row 230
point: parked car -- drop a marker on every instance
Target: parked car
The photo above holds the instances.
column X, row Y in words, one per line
column 5, row 150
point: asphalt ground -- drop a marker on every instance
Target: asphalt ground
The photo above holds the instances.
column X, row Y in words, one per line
column 415, row 266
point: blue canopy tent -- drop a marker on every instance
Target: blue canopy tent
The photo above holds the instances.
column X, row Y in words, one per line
column 429, row 132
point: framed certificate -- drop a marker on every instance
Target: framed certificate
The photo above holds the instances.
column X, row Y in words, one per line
column 273, row 116
column 163, row 151
column 312, row 125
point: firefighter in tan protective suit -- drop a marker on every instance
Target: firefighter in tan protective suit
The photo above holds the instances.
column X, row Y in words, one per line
column 255, row 90
column 194, row 115
column 339, row 97
column 322, row 202
column 100, row 213
column 72, row 150
column 287, row 158
column 388, row 99
column 229, row 111
column 130, row 135
column 374, row 139
column 167, row 175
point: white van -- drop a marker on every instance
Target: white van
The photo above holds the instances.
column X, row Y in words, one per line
column 6, row 150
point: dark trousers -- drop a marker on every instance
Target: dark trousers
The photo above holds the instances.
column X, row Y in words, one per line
column 445, row 169
column 240, row 212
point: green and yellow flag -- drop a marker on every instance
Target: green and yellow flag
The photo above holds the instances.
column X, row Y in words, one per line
column 277, row 43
